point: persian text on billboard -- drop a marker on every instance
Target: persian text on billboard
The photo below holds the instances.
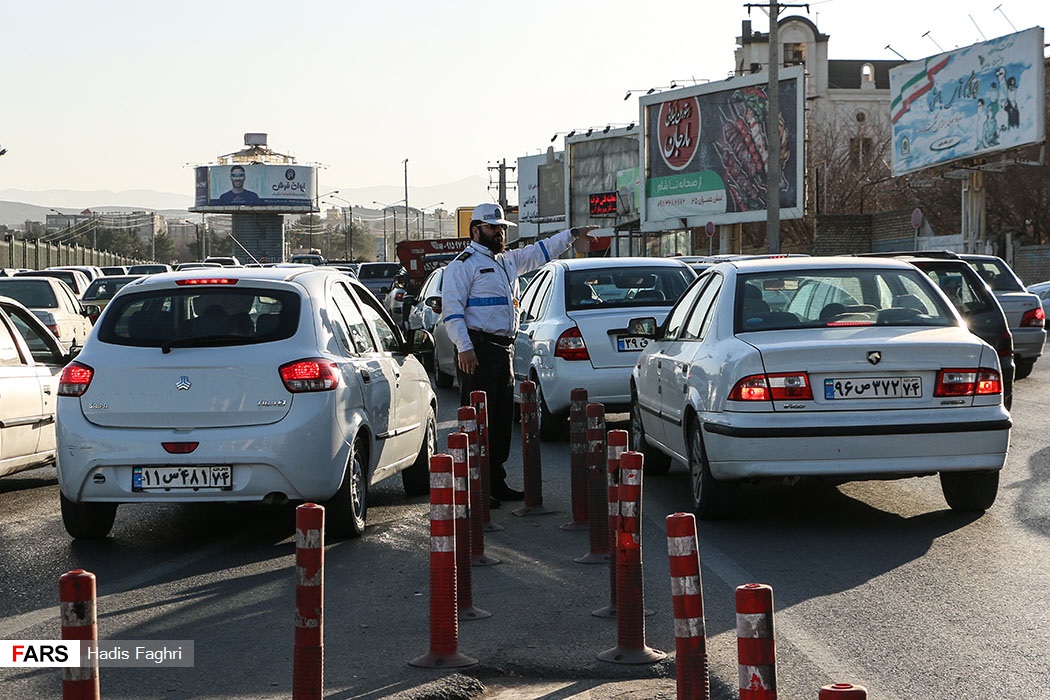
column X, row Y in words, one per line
column 980, row 99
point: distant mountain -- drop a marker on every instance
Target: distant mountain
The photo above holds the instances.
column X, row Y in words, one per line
column 19, row 206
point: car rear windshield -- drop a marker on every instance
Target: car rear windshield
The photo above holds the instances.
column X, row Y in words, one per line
column 34, row 294
column 103, row 288
column 632, row 286
column 377, row 271
column 839, row 298
column 200, row 317
column 997, row 274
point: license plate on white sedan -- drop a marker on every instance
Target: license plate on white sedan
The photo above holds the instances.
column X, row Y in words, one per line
column 193, row 478
column 630, row 343
column 874, row 388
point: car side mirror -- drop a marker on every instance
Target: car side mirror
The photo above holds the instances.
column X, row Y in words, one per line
column 434, row 303
column 92, row 310
column 644, row 327
column 422, row 341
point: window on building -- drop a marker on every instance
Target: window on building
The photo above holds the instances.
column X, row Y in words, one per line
column 867, row 73
column 794, row 54
column 860, row 152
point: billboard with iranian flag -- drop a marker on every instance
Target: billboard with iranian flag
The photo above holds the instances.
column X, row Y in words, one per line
column 706, row 151
column 977, row 100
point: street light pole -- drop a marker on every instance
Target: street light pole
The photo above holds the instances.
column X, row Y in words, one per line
column 406, row 199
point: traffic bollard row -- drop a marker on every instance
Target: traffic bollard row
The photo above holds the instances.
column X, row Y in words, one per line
column 756, row 651
column 468, row 424
column 530, row 451
column 308, row 656
column 459, row 448
column 76, row 594
column 578, row 459
column 692, row 676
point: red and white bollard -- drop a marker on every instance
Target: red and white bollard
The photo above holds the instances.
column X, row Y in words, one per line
column 308, row 659
column 630, row 598
column 479, row 502
column 76, row 594
column 843, row 691
column 479, row 401
column 530, row 453
column 693, row 679
column 597, row 487
column 459, row 448
column 616, row 442
column 444, row 624
column 755, row 648
column 578, row 459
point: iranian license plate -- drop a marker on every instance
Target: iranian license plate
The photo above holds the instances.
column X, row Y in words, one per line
column 630, row 343
column 195, row 478
column 874, row 388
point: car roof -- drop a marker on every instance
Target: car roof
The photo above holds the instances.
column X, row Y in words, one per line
column 606, row 263
column 264, row 274
column 811, row 263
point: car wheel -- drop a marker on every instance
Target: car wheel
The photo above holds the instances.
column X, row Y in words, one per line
column 346, row 510
column 970, row 491
column 87, row 521
column 552, row 426
column 1022, row 368
column 712, row 499
column 416, row 479
column 654, row 461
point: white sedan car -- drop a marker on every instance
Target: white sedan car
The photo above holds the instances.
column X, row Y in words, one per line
column 573, row 329
column 868, row 372
column 262, row 384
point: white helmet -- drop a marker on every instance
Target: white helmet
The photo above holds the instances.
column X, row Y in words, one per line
column 490, row 214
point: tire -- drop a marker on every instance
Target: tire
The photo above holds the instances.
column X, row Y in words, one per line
column 552, row 426
column 970, row 491
column 654, row 461
column 87, row 521
column 416, row 479
column 712, row 499
column 1022, row 368
column 346, row 511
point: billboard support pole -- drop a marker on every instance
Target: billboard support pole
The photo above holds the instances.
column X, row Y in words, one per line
column 773, row 136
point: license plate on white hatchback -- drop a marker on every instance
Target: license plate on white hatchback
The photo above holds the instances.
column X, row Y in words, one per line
column 874, row 388
column 630, row 343
column 195, row 478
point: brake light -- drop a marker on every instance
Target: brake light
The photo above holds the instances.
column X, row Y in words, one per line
column 179, row 448
column 570, row 346
column 312, row 374
column 783, row 386
column 205, row 280
column 1033, row 318
column 75, row 379
column 968, row 382
column 55, row 330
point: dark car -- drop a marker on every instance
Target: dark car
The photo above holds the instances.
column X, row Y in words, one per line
column 378, row 277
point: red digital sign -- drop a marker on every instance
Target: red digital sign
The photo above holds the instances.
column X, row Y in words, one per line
column 603, row 204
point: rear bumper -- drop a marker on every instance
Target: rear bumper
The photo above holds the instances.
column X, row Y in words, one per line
column 611, row 387
column 1028, row 342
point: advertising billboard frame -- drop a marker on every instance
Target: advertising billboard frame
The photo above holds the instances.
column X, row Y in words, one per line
column 265, row 188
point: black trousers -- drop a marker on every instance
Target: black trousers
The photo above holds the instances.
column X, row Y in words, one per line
column 495, row 376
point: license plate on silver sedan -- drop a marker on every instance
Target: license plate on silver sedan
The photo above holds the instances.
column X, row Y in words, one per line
column 195, row 478
column 874, row 388
column 630, row 343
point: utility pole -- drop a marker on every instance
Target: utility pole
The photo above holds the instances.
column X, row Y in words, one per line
column 501, row 191
column 406, row 202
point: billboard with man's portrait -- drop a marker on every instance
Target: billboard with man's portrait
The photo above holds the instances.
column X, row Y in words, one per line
column 237, row 187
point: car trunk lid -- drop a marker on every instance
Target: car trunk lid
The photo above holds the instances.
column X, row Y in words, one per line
column 605, row 333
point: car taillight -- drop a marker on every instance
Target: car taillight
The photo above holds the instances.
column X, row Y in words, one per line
column 309, row 375
column 784, row 386
column 1033, row 318
column 204, row 280
column 570, row 346
column 968, row 382
column 54, row 330
column 75, row 379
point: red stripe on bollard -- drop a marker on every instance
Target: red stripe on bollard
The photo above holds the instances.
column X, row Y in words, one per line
column 693, row 679
column 444, row 624
column 76, row 594
column 597, row 487
column 459, row 448
column 617, row 441
column 630, row 603
column 479, row 502
column 843, row 691
column 530, row 453
column 479, row 401
column 578, row 459
column 756, row 651
column 308, row 657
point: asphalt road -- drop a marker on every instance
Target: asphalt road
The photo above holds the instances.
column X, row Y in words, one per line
column 875, row 583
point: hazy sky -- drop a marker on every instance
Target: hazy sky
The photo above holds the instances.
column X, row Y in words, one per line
column 124, row 94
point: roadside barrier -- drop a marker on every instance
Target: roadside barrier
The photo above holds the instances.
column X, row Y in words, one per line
column 578, row 459
column 308, row 658
column 444, row 625
column 597, row 486
column 530, row 453
column 617, row 445
column 479, row 400
column 843, row 691
column 468, row 424
column 459, row 448
column 630, row 604
column 76, row 594
column 756, row 651
column 693, row 679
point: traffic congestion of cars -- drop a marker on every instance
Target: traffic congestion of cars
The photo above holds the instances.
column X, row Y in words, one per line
column 301, row 382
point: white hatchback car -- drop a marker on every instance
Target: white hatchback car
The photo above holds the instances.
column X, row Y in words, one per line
column 55, row 304
column 868, row 372
column 262, row 384
column 573, row 329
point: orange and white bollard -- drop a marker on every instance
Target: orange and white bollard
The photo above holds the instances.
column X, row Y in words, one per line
column 755, row 648
column 693, row 679
column 578, row 459
column 459, row 448
column 630, row 599
column 308, row 657
column 616, row 442
column 479, row 401
column 530, row 453
column 76, row 594
column 843, row 691
column 479, row 503
column 444, row 624
column 597, row 487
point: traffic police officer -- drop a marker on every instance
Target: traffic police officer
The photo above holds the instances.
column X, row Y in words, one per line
column 479, row 301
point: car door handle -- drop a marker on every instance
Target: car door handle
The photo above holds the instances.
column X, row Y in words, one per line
column 366, row 376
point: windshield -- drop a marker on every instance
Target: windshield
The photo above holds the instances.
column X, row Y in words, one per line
column 34, row 294
column 630, row 286
column 377, row 271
